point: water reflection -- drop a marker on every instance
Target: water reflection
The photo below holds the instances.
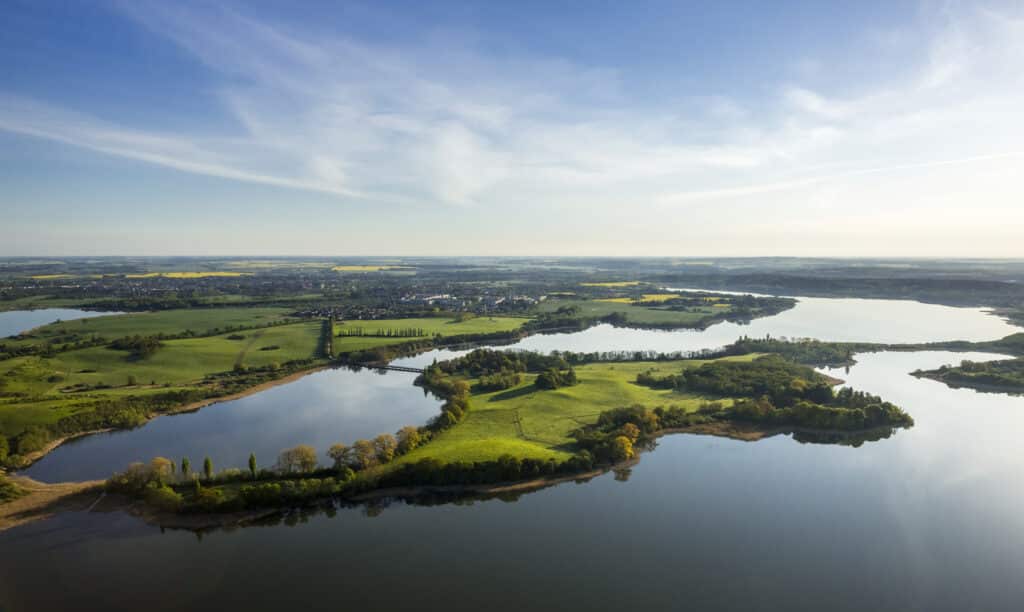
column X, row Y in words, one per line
column 930, row 519
column 337, row 405
column 840, row 320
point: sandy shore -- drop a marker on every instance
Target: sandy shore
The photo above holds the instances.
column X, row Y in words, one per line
column 45, row 500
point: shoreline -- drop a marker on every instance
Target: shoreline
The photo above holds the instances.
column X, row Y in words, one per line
column 48, row 499
column 980, row 388
column 52, row 445
column 45, row 500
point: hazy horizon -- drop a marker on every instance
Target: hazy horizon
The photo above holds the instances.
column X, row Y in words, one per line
column 465, row 129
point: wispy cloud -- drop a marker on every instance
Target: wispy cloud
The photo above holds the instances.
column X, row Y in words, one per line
column 443, row 123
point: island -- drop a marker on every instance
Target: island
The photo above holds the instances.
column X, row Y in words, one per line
column 1001, row 376
column 516, row 420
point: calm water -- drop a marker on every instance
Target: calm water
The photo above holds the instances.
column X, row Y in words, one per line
column 341, row 405
column 319, row 409
column 839, row 320
column 17, row 321
column 930, row 519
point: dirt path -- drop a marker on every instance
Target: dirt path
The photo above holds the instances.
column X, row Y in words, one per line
column 45, row 500
column 245, row 349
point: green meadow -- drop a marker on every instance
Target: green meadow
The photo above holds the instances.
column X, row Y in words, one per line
column 642, row 315
column 433, row 326
column 430, row 326
column 169, row 322
column 528, row 422
column 35, row 390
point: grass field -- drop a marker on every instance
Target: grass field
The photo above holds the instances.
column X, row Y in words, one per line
column 640, row 315
column 178, row 361
column 17, row 415
column 430, row 326
column 35, row 302
column 527, row 422
column 32, row 386
column 169, row 322
column 437, row 325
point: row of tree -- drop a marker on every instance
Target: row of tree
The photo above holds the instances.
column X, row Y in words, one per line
column 400, row 332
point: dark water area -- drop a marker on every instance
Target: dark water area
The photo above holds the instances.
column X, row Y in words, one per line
column 320, row 409
column 931, row 518
column 16, row 321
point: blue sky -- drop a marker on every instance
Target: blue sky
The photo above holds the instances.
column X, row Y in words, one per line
column 542, row 128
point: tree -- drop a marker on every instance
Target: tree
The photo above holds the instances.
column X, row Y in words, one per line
column 186, row 467
column 4, row 448
column 341, row 454
column 384, row 446
column 408, row 439
column 365, row 453
column 208, row 468
column 302, row 458
column 252, row 465
column 622, row 449
column 631, row 431
column 160, row 468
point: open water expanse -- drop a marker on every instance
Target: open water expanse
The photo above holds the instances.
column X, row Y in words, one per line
column 931, row 518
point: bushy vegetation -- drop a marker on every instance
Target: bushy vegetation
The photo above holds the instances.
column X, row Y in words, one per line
column 484, row 362
column 553, row 378
column 8, row 490
column 635, row 308
column 782, row 381
column 1002, row 375
column 775, row 392
column 807, row 352
column 138, row 347
column 499, row 381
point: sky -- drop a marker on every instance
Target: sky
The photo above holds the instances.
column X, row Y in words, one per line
column 512, row 128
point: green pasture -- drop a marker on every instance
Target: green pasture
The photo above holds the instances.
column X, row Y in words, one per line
column 527, row 422
column 199, row 320
column 643, row 315
column 433, row 326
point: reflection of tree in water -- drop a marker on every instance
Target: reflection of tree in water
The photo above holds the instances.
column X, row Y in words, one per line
column 372, row 508
column 843, row 438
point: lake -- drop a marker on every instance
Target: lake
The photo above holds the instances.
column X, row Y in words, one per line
column 342, row 406
column 320, row 409
column 930, row 519
column 16, row 321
